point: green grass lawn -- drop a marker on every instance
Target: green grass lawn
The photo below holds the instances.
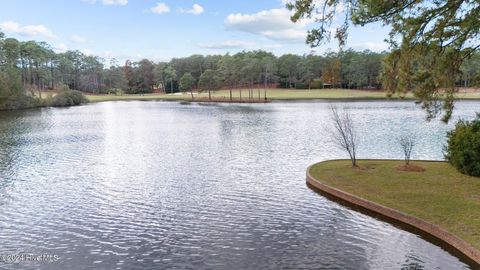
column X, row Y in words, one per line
column 272, row 94
column 439, row 195
column 100, row 98
column 475, row 95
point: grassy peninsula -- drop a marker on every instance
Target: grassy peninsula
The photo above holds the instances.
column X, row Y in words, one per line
column 439, row 194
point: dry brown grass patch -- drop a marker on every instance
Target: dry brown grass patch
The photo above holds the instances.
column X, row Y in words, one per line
column 409, row 168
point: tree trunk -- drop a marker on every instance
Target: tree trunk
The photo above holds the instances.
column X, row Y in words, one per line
column 251, row 90
column 52, row 74
column 265, row 89
column 37, row 75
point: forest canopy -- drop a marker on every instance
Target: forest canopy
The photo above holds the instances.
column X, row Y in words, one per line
column 29, row 67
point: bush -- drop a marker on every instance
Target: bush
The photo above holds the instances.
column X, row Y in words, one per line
column 139, row 90
column 63, row 87
column 463, row 147
column 69, row 98
column 20, row 101
column 316, row 84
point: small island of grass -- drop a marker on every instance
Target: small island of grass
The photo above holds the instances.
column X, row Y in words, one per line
column 438, row 194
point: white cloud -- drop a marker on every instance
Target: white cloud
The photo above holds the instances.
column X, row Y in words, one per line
column 109, row 2
column 160, row 8
column 228, row 44
column 78, row 39
column 273, row 24
column 27, row 30
column 195, row 10
column 115, row 2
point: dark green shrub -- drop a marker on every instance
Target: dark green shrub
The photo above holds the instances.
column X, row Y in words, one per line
column 463, row 147
column 301, row 85
column 20, row 101
column 316, row 84
column 139, row 90
column 69, row 98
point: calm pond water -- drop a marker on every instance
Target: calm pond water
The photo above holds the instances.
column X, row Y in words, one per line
column 161, row 185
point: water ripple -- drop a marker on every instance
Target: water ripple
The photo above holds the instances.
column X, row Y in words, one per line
column 158, row 185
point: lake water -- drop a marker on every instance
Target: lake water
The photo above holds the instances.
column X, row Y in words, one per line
column 161, row 185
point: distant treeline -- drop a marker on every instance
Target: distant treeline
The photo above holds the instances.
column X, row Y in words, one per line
column 348, row 69
column 28, row 67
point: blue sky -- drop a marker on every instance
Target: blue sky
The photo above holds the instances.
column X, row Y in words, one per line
column 161, row 30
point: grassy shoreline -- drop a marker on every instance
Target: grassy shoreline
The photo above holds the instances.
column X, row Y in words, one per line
column 272, row 95
column 439, row 195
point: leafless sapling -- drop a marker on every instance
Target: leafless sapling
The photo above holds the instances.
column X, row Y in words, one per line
column 407, row 142
column 344, row 134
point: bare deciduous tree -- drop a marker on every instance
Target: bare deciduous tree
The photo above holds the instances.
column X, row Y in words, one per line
column 407, row 142
column 344, row 133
